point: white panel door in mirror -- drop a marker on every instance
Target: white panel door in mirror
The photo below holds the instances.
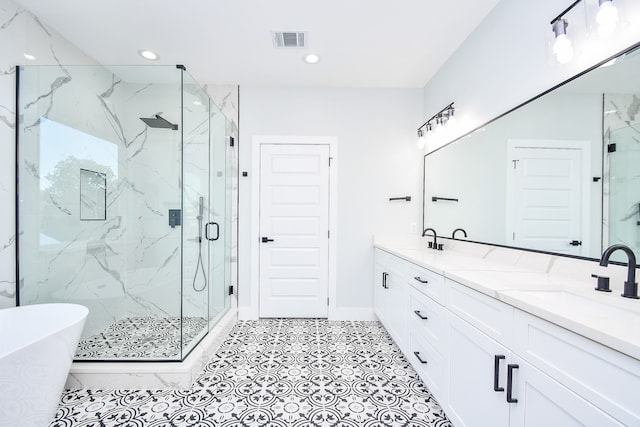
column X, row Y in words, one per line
column 547, row 199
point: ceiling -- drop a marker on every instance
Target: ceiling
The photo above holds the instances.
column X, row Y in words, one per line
column 361, row 43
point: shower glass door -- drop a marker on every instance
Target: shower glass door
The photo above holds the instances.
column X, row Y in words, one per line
column 219, row 220
column 196, row 204
column 122, row 205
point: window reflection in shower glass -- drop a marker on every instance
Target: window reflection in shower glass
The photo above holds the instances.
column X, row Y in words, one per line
column 63, row 152
column 93, row 195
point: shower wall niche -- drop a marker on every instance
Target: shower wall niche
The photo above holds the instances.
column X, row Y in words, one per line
column 128, row 217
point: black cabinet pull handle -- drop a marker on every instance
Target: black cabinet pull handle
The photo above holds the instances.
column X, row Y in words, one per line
column 510, row 369
column 417, row 354
column 419, row 279
column 496, row 372
column 417, row 312
column 384, row 280
column 206, row 231
column 266, row 239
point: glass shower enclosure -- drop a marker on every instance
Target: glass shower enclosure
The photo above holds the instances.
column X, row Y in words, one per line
column 123, row 205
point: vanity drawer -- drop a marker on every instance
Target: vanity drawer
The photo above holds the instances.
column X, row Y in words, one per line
column 429, row 318
column 608, row 379
column 427, row 282
column 491, row 316
column 429, row 364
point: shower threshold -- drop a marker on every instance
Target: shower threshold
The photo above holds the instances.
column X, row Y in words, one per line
column 152, row 374
column 142, row 338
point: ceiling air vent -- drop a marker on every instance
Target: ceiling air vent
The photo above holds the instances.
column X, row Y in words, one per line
column 289, row 38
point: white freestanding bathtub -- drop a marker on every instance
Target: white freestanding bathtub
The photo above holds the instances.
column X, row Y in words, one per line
column 37, row 344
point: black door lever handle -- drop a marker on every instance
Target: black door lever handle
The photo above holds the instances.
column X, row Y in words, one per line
column 266, row 240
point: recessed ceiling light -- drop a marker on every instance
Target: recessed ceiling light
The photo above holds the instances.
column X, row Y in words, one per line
column 312, row 58
column 29, row 56
column 147, row 54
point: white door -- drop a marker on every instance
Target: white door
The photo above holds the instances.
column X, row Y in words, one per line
column 547, row 209
column 294, row 230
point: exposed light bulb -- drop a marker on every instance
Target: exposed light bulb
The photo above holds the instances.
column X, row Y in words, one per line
column 422, row 141
column 607, row 18
column 451, row 122
column 563, row 49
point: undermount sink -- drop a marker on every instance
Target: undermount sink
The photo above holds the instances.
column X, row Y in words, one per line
column 577, row 306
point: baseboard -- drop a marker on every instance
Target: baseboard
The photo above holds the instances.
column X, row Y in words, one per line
column 335, row 313
column 248, row 313
column 352, row 313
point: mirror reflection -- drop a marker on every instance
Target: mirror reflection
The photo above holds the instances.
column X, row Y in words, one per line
column 559, row 174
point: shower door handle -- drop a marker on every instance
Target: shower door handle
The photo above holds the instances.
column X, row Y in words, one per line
column 206, row 231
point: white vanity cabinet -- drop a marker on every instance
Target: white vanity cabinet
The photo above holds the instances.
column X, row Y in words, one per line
column 490, row 364
column 390, row 295
column 490, row 384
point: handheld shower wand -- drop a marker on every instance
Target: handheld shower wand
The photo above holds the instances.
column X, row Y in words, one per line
column 200, row 264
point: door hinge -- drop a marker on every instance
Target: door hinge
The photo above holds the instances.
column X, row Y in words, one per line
column 231, row 141
column 330, row 158
column 514, row 235
column 230, row 290
column 328, row 234
column 515, row 163
column 327, row 301
column 611, row 148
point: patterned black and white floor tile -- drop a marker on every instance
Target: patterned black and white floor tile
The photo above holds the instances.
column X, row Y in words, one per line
column 276, row 372
column 141, row 338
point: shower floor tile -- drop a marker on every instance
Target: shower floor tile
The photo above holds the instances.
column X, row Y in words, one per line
column 141, row 338
column 278, row 372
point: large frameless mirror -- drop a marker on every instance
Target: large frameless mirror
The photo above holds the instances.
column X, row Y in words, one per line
column 558, row 174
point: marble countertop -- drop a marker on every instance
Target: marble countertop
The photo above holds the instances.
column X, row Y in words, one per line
column 557, row 289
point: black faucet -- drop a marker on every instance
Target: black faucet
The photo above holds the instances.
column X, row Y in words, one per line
column 453, row 235
column 630, row 289
column 434, row 244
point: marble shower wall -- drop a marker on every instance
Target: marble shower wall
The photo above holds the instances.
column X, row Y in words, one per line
column 119, row 250
column 20, row 32
column 621, row 183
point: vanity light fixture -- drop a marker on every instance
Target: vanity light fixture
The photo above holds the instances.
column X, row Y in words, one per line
column 607, row 18
column 435, row 122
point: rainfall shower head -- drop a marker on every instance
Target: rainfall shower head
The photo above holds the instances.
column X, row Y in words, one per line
column 159, row 122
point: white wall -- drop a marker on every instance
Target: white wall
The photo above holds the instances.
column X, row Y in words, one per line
column 506, row 60
column 377, row 159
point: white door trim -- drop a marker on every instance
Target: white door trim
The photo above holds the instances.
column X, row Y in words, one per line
column 585, row 147
column 256, row 142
